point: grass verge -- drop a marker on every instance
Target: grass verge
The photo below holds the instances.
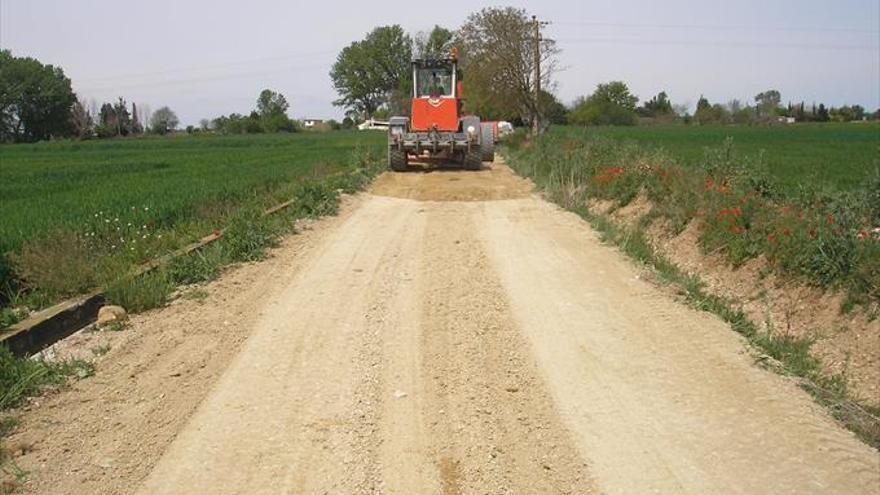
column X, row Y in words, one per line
column 249, row 233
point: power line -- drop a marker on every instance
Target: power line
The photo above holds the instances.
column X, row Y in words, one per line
column 207, row 67
column 213, row 78
column 729, row 27
column 735, row 44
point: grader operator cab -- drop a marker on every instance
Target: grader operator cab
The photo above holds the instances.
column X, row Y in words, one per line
column 436, row 126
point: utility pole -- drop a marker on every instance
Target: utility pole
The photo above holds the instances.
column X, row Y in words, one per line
column 536, row 118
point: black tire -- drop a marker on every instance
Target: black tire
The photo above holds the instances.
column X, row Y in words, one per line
column 487, row 143
column 473, row 159
column 397, row 159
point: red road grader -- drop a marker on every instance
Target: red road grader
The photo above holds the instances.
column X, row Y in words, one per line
column 437, row 127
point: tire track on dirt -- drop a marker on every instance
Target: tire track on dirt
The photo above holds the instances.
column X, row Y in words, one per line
column 296, row 411
column 496, row 427
column 389, row 366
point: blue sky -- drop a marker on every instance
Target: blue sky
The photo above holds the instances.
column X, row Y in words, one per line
column 206, row 58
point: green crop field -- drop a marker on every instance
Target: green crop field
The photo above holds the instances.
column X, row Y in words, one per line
column 52, row 185
column 74, row 215
column 837, row 156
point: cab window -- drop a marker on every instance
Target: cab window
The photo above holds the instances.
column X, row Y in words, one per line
column 434, row 82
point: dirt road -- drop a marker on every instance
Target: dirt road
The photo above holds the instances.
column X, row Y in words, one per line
column 448, row 333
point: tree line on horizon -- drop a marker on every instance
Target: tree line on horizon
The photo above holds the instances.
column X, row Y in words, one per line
column 372, row 77
column 37, row 102
column 496, row 54
column 613, row 104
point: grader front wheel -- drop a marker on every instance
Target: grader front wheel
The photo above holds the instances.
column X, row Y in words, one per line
column 397, row 159
column 473, row 159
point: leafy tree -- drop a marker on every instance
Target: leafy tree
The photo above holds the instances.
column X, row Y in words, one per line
column 847, row 113
column 136, row 127
column 115, row 120
column 434, row 45
column 106, row 121
column 164, row 120
column 36, row 100
column 616, row 93
column 382, row 114
column 704, row 113
column 81, row 122
column 720, row 114
column 768, row 103
column 123, row 118
column 221, row 124
column 271, row 103
column 253, row 124
column 658, row 106
column 553, row 109
column 703, row 104
column 822, row 113
column 739, row 113
column 374, row 71
column 205, row 124
column 611, row 104
column 272, row 112
column 858, row 112
column 496, row 49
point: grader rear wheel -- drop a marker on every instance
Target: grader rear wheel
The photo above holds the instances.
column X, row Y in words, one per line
column 487, row 143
